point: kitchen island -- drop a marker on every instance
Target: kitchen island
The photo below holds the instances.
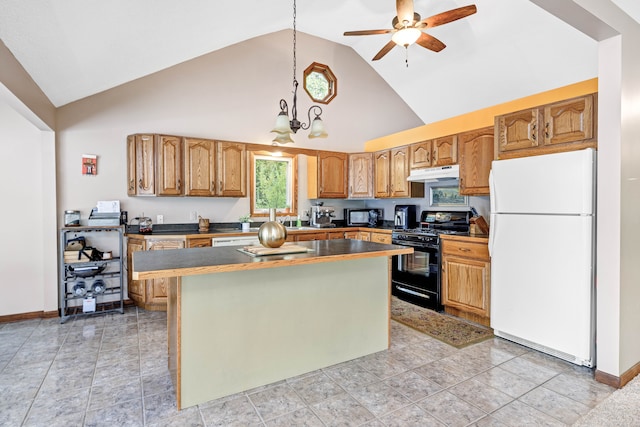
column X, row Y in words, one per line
column 237, row 321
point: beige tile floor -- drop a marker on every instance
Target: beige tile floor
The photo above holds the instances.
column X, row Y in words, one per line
column 110, row 370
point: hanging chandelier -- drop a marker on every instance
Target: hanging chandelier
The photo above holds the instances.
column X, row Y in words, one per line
column 285, row 127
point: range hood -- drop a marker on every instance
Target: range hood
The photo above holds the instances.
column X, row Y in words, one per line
column 440, row 173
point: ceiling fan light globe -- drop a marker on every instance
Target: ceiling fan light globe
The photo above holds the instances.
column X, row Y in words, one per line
column 317, row 129
column 282, row 124
column 406, row 36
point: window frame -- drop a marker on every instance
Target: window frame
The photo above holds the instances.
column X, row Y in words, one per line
column 319, row 68
column 292, row 200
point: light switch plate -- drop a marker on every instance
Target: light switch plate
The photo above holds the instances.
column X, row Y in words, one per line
column 159, row 219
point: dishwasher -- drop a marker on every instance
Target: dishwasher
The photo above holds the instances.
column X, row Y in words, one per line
column 236, row 241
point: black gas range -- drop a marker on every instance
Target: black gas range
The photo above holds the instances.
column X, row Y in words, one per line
column 416, row 277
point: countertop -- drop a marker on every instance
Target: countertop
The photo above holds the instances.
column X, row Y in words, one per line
column 230, row 231
column 193, row 261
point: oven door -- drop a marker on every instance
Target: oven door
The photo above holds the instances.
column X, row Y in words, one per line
column 415, row 277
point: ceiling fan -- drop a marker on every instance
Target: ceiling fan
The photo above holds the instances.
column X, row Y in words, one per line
column 408, row 26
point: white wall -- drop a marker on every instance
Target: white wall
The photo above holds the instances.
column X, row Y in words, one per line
column 230, row 94
column 28, row 256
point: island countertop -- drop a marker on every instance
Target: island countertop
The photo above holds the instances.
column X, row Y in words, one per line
column 194, row 261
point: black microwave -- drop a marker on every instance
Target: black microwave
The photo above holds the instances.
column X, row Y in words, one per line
column 364, row 217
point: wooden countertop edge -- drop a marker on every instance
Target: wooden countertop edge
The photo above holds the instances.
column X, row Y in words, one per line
column 191, row 271
column 195, row 235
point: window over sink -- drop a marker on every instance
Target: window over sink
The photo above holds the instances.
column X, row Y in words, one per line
column 274, row 183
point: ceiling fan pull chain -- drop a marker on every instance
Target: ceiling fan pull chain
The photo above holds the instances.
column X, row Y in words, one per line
column 406, row 55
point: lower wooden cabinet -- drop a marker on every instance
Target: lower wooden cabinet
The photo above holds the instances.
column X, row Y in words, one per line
column 368, row 236
column 466, row 284
column 150, row 294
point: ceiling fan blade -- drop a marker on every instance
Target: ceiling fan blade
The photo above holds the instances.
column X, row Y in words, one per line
column 430, row 42
column 449, row 16
column 366, row 32
column 384, row 50
column 404, row 8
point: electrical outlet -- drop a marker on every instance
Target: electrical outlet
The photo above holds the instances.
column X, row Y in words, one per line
column 159, row 219
column 193, row 216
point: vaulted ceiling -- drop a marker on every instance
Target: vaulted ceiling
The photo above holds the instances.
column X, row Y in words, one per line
column 508, row 49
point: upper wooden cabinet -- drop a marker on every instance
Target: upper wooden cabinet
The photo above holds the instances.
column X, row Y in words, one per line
column 420, row 155
column 232, row 169
column 445, row 151
column 361, row 176
column 328, row 175
column 141, row 165
column 199, row 169
column 437, row 152
column 169, row 165
column 561, row 126
column 475, row 155
column 165, row 165
column 391, row 172
column 569, row 121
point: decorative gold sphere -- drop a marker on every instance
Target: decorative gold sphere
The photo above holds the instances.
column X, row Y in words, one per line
column 272, row 234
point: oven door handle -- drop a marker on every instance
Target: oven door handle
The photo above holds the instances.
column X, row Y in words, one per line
column 409, row 291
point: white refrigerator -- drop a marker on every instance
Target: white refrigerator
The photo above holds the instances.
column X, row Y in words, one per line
column 542, row 247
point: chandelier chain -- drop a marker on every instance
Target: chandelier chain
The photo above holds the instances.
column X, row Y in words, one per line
column 294, row 40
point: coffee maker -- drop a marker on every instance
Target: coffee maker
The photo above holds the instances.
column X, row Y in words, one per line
column 404, row 217
column 320, row 216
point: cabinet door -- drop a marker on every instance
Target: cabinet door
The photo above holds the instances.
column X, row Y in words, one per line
column 476, row 154
column 306, row 237
column 145, row 162
column 335, row 235
column 382, row 165
column 445, row 151
column 364, row 236
column 420, row 155
column 135, row 288
column 199, row 242
column 361, row 175
column 465, row 285
column 131, row 165
column 519, row 130
column 332, row 175
column 351, row 234
column 381, row 238
column 169, row 165
column 399, row 172
column 199, row 170
column 157, row 289
column 569, row 121
column 232, row 169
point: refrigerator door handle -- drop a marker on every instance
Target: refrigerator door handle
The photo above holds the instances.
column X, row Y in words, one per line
column 492, row 232
column 492, row 192
column 492, row 206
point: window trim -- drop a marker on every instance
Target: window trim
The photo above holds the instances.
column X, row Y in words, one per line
column 293, row 158
column 316, row 67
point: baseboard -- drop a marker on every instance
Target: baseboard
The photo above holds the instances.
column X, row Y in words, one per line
column 29, row 316
column 618, row 382
column 40, row 314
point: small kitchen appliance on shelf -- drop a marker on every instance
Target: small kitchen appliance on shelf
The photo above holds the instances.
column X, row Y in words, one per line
column 320, row 216
column 404, row 216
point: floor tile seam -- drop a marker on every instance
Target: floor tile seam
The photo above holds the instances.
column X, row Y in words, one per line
column 142, row 402
column 255, row 408
column 538, row 410
column 448, row 390
column 568, row 397
column 45, row 377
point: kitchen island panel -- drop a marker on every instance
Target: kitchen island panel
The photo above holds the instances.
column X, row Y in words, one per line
column 245, row 329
